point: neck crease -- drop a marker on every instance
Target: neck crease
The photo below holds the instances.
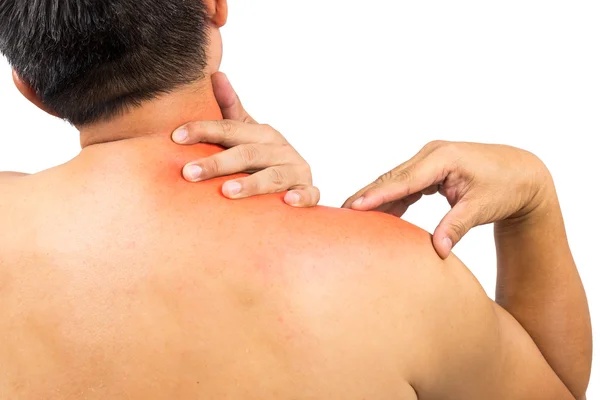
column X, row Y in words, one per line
column 160, row 116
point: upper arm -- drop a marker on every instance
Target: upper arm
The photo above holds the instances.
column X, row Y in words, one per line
column 481, row 351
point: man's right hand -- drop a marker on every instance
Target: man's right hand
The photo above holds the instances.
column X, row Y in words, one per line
column 483, row 184
column 537, row 281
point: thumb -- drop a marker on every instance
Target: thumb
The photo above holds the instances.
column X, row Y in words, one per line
column 459, row 220
column 228, row 100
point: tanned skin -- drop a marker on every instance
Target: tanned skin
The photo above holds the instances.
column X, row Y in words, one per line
column 121, row 280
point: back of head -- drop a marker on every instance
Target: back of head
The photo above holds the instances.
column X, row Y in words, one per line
column 88, row 60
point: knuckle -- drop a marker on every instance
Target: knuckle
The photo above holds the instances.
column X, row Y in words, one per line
column 276, row 177
column 212, row 166
column 485, row 212
column 435, row 144
column 290, row 153
column 388, row 176
column 228, row 128
column 248, row 154
column 267, row 129
column 272, row 134
column 287, row 148
column 459, row 228
column 450, row 149
column 305, row 172
column 402, row 175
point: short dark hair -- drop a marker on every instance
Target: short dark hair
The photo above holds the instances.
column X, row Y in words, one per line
column 89, row 60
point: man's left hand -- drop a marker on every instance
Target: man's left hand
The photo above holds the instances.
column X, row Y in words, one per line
column 252, row 148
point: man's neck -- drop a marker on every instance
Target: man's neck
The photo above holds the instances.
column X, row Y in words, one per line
column 160, row 116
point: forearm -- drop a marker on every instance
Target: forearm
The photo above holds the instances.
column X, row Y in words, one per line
column 539, row 285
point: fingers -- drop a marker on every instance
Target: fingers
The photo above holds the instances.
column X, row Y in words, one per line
column 404, row 166
column 399, row 207
column 242, row 158
column 400, row 183
column 270, row 180
column 433, row 189
column 307, row 196
column 227, row 133
column 231, row 106
column 252, row 147
column 454, row 226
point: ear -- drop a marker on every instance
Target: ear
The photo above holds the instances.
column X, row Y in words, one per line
column 30, row 94
column 217, row 11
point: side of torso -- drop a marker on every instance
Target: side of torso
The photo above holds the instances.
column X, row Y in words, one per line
column 118, row 284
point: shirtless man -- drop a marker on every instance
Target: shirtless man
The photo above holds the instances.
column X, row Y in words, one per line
column 120, row 280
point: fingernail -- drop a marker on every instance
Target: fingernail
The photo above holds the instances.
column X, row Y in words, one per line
column 180, row 135
column 227, row 79
column 358, row 202
column 192, row 172
column 232, row 188
column 292, row 198
column 447, row 243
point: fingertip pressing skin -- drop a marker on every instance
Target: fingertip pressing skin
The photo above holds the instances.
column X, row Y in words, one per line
column 181, row 135
column 446, row 247
column 292, row 198
column 232, row 189
column 303, row 197
column 443, row 244
column 367, row 201
column 353, row 202
column 192, row 173
column 358, row 202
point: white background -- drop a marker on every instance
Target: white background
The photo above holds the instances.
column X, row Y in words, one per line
column 359, row 87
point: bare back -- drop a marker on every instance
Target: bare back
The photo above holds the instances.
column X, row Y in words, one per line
column 120, row 280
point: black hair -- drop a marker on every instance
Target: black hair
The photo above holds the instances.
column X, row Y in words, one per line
column 89, row 60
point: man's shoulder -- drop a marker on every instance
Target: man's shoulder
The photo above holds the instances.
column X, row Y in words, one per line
column 10, row 183
column 372, row 269
column 25, row 196
column 11, row 175
column 381, row 289
column 20, row 185
column 377, row 233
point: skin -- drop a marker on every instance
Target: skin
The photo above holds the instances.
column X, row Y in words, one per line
column 253, row 147
column 116, row 300
column 118, row 282
column 538, row 281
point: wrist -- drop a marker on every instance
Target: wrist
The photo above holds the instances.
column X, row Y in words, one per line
column 543, row 202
